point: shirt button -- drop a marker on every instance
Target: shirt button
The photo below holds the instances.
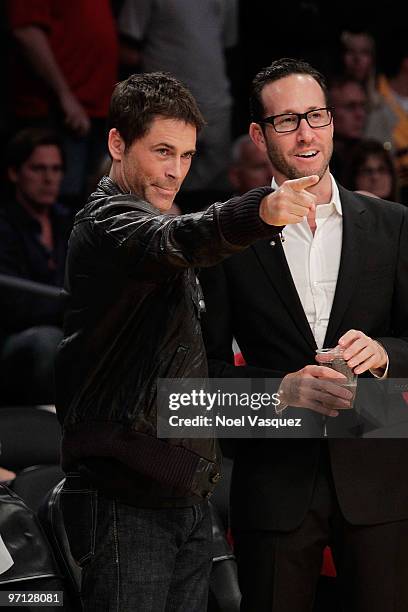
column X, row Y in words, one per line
column 201, row 304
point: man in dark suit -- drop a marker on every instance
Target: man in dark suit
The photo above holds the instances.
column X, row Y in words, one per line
column 338, row 277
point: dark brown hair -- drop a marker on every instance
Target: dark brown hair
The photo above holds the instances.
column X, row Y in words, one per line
column 22, row 145
column 357, row 158
column 140, row 98
column 278, row 70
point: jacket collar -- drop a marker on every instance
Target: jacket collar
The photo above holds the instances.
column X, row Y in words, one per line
column 108, row 188
column 271, row 256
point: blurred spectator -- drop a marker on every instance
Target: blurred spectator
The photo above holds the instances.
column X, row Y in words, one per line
column 34, row 231
column 188, row 39
column 371, row 168
column 358, row 55
column 349, row 100
column 64, row 70
column 388, row 123
column 357, row 61
column 249, row 167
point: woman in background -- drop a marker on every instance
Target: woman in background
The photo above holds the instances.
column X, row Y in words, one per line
column 358, row 61
column 370, row 168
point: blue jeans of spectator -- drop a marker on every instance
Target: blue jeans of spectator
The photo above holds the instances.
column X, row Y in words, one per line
column 138, row 559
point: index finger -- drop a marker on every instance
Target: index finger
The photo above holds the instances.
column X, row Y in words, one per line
column 303, row 182
column 349, row 337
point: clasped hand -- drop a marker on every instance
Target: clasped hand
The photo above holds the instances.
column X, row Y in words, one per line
column 317, row 388
column 362, row 353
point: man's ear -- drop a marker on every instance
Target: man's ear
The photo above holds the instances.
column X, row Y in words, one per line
column 12, row 174
column 116, row 145
column 257, row 136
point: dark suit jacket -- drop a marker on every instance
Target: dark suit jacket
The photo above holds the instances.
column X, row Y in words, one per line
column 252, row 296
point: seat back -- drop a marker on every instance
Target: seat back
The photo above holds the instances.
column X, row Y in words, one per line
column 224, row 593
column 220, row 497
column 33, row 483
column 50, row 516
column 28, row 436
column 34, row 565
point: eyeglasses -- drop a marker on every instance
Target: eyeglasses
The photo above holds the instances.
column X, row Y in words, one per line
column 289, row 122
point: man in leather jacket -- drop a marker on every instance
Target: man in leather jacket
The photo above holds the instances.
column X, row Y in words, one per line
column 135, row 506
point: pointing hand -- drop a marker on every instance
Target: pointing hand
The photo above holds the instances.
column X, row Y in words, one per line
column 290, row 203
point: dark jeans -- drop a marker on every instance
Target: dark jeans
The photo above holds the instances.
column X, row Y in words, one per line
column 138, row 559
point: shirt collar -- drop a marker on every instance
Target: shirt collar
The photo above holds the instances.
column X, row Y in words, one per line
column 327, row 208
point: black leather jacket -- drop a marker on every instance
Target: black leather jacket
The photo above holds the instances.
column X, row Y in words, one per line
column 133, row 317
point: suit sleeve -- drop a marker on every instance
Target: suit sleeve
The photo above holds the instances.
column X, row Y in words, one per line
column 218, row 329
column 396, row 344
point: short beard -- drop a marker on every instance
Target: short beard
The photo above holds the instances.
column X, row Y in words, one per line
column 290, row 172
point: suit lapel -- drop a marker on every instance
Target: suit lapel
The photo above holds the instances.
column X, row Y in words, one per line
column 272, row 259
column 355, row 225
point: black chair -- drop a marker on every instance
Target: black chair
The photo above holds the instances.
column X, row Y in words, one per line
column 220, row 497
column 33, row 483
column 51, row 519
column 34, row 567
column 28, row 436
column 224, row 594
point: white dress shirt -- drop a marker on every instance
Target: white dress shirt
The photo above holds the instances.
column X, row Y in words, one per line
column 315, row 273
column 314, row 262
